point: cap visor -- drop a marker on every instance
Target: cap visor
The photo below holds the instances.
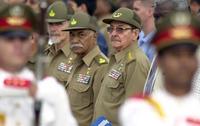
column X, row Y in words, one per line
column 55, row 20
column 75, row 28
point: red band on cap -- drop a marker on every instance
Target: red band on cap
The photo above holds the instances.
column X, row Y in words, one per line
column 177, row 33
column 14, row 22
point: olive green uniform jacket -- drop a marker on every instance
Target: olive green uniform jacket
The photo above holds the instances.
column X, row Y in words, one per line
column 61, row 63
column 126, row 75
column 83, row 85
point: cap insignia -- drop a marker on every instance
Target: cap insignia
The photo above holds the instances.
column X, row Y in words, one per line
column 180, row 19
column 73, row 21
column 116, row 15
column 181, row 32
column 16, row 11
column 52, row 13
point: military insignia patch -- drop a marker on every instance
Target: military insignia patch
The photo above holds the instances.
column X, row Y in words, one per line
column 83, row 78
column 65, row 67
column 16, row 11
column 52, row 13
column 73, row 21
column 116, row 15
column 114, row 74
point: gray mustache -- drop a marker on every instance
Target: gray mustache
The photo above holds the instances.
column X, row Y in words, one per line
column 76, row 46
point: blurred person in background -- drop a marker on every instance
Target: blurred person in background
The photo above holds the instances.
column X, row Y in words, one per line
column 154, row 79
column 194, row 6
column 104, row 9
column 145, row 10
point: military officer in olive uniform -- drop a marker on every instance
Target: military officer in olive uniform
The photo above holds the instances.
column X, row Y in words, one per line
column 58, row 51
column 57, row 20
column 128, row 66
column 83, row 84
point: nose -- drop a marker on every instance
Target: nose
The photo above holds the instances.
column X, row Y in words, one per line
column 74, row 39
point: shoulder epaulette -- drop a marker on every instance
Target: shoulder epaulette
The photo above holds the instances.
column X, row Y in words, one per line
column 101, row 59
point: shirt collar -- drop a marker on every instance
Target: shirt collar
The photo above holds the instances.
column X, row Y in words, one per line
column 66, row 50
column 127, row 52
column 145, row 38
column 87, row 59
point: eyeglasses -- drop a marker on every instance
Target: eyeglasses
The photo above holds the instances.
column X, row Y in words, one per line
column 119, row 30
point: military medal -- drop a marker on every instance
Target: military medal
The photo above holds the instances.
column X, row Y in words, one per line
column 114, row 74
column 65, row 67
column 83, row 78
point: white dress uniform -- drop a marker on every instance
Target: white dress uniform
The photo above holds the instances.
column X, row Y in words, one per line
column 161, row 109
column 16, row 106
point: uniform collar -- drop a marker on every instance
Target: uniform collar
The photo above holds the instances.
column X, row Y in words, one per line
column 66, row 50
column 87, row 59
column 127, row 52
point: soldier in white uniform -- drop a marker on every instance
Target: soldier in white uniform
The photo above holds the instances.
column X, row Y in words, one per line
column 176, row 41
column 18, row 86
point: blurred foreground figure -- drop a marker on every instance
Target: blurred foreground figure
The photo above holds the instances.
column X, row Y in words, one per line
column 19, row 88
column 176, row 42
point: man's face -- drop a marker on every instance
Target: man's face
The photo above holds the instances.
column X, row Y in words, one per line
column 82, row 41
column 121, row 35
column 178, row 65
column 143, row 11
column 55, row 31
column 15, row 51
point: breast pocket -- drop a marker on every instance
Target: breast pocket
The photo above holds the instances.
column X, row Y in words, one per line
column 114, row 90
column 81, row 94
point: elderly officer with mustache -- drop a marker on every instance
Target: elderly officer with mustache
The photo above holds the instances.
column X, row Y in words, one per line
column 84, row 82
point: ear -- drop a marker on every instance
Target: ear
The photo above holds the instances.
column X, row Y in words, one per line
column 95, row 35
column 150, row 11
column 135, row 34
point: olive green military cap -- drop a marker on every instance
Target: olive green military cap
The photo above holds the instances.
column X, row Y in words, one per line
column 18, row 18
column 82, row 20
column 124, row 15
column 179, row 27
column 57, row 12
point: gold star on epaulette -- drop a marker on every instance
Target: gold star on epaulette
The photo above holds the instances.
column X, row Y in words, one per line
column 130, row 57
column 101, row 60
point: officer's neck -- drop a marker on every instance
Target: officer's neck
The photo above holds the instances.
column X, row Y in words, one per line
column 59, row 45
